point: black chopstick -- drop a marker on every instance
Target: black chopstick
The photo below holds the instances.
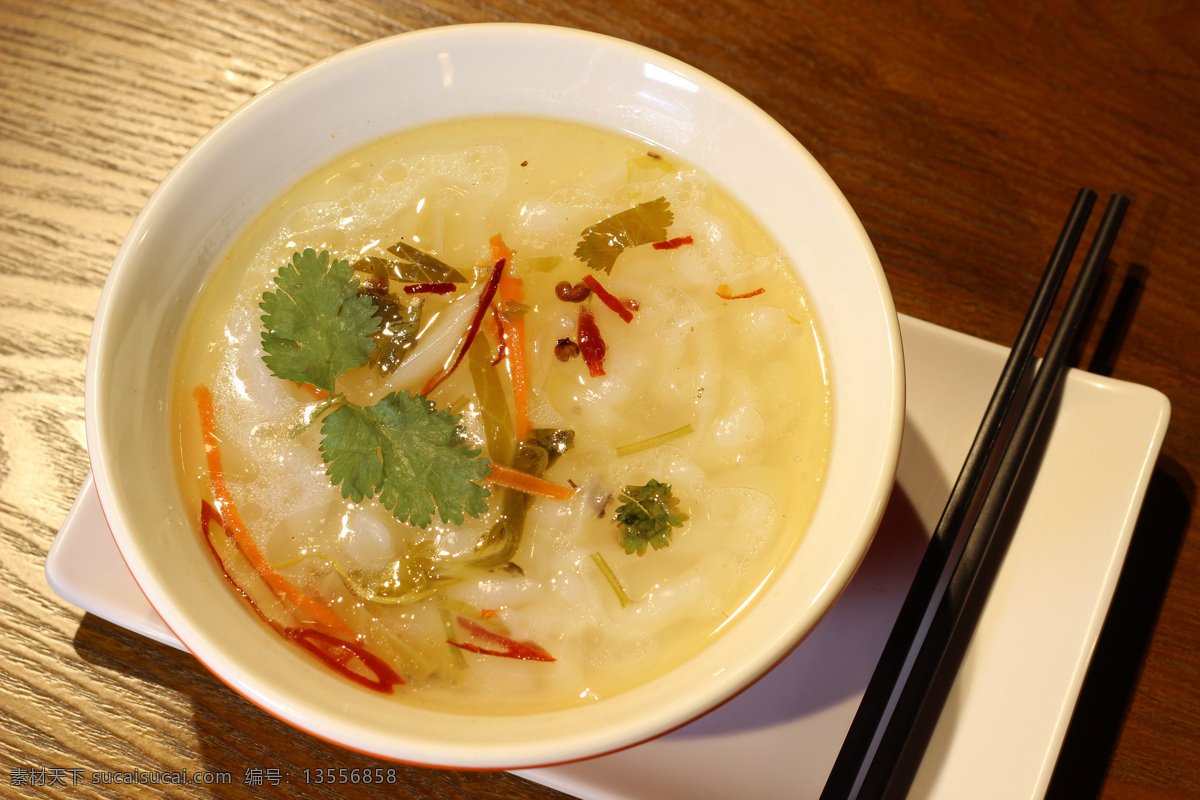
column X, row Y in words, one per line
column 878, row 698
column 888, row 671
column 949, row 613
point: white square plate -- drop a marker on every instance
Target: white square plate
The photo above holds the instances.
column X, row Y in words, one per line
column 1008, row 710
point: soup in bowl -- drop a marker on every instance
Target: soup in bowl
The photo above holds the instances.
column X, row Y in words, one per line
column 513, row 395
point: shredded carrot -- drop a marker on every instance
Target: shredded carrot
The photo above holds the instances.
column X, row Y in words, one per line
column 320, row 394
column 513, row 288
column 232, row 520
column 500, row 249
column 529, row 484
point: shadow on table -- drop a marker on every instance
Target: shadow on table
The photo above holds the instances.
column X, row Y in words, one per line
column 1125, row 637
column 1161, row 528
column 202, row 726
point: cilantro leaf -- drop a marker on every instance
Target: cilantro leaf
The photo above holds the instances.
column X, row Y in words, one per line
column 646, row 517
column 645, row 223
column 316, row 326
column 408, row 453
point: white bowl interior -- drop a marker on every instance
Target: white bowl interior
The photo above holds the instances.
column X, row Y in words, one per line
column 422, row 77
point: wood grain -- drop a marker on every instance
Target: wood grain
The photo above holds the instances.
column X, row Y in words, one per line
column 959, row 131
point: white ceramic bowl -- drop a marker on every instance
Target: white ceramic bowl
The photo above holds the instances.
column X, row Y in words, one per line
column 421, row 77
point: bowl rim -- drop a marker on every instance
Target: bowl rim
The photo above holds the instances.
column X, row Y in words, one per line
column 875, row 498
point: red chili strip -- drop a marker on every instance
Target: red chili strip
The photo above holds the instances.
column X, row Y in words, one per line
column 485, row 300
column 430, row 288
column 671, row 244
column 591, row 343
column 608, row 298
column 508, row 648
column 342, row 655
column 723, row 293
column 335, row 652
column 210, row 516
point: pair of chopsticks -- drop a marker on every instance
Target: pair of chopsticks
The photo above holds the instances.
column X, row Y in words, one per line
column 868, row 765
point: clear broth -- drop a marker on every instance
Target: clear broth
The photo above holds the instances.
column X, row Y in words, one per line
column 747, row 374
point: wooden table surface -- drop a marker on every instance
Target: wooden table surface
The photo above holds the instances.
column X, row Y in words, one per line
column 959, row 132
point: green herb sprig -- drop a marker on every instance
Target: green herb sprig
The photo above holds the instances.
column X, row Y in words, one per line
column 647, row 516
column 316, row 327
column 645, row 223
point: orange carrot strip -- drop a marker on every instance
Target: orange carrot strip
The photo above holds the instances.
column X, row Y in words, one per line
column 529, row 484
column 320, row 394
column 208, row 518
column 337, row 654
column 232, row 520
column 513, row 288
column 500, row 249
column 514, row 349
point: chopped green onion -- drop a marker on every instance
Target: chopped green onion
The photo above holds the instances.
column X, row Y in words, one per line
column 498, row 429
column 451, row 637
column 654, row 441
column 379, row 587
column 612, row 579
column 459, row 405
